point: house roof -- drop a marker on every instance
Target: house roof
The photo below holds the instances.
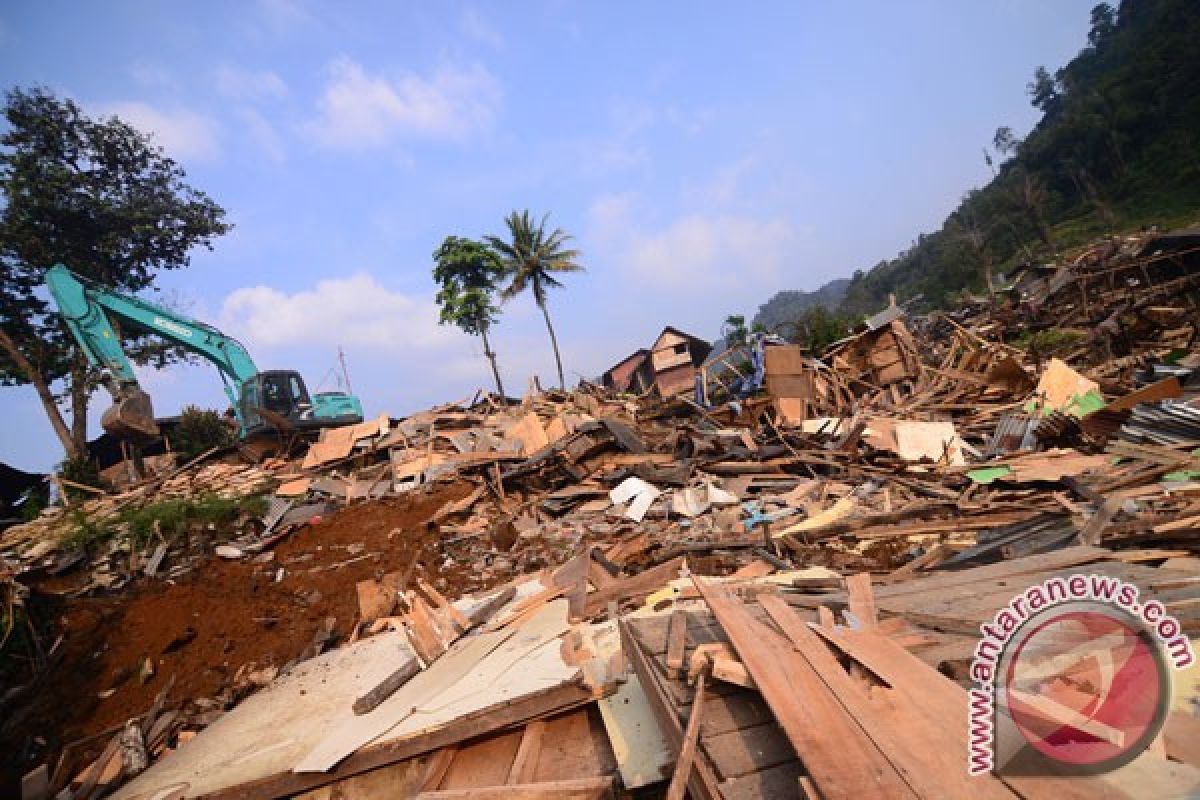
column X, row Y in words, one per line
column 638, row 354
column 684, row 334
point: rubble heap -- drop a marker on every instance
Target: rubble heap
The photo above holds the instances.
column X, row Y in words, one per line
column 738, row 595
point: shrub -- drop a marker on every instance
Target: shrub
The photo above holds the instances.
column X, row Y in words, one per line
column 79, row 470
column 200, row 430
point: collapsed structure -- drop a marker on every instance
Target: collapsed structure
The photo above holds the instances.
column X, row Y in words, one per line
column 620, row 589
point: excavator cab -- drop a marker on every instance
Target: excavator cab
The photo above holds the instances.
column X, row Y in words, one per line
column 282, row 394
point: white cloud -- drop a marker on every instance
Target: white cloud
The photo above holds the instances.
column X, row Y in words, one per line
column 358, row 109
column 724, row 186
column 263, row 134
column 709, row 253
column 609, row 216
column 356, row 310
column 474, row 26
column 152, row 75
column 249, row 84
column 283, row 15
column 183, row 133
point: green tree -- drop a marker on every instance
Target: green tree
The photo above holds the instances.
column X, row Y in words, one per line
column 100, row 197
column 199, row 430
column 1044, row 91
column 531, row 259
column 468, row 273
column 733, row 330
column 817, row 328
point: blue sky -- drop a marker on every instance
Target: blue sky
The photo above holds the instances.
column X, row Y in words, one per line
column 705, row 155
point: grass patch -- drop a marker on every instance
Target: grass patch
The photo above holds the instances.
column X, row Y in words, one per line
column 1049, row 341
column 172, row 517
column 175, row 517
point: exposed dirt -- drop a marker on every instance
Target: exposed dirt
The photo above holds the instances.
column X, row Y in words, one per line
column 201, row 629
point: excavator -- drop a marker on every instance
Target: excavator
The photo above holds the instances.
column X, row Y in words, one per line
column 263, row 402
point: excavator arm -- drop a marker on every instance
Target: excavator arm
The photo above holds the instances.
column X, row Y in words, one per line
column 87, row 309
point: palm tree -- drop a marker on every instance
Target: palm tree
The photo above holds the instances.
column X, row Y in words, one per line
column 531, row 258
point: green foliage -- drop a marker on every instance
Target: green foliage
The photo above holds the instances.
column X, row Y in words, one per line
column 532, row 258
column 1049, row 342
column 32, row 508
column 734, row 331
column 818, row 327
column 79, row 470
column 467, row 273
column 102, row 198
column 784, row 308
column 1117, row 147
column 173, row 518
column 85, row 532
column 199, row 430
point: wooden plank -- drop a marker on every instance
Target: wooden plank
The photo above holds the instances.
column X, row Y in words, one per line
column 574, row 745
column 439, row 763
column 676, row 643
column 703, row 784
column 459, row 619
column 1182, row 734
column 768, row 784
column 370, row 700
column 862, row 600
column 840, row 759
column 731, row 671
column 683, row 766
column 484, row 762
column 598, row 576
column 404, row 779
column 943, row 583
column 423, row 632
column 627, row 588
column 733, row 711
column 35, row 784
column 944, row 703
column 748, row 750
column 576, row 789
column 925, row 755
column 525, row 762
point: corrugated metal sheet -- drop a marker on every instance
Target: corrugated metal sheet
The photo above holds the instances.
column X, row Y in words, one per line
column 1013, row 432
column 1163, row 423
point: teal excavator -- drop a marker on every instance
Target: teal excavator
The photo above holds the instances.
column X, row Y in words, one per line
column 275, row 400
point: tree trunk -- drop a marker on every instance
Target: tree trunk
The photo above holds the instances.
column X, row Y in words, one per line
column 487, row 351
column 562, row 384
column 53, row 413
column 79, row 404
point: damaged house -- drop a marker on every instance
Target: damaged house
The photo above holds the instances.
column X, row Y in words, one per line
column 670, row 365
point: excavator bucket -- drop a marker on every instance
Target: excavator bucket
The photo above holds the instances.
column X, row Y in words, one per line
column 131, row 416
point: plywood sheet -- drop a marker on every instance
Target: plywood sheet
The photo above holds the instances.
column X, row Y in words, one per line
column 268, row 732
column 467, row 679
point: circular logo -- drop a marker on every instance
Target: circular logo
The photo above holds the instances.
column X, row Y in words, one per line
column 1086, row 686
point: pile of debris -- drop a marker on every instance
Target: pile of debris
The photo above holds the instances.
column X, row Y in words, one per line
column 774, row 588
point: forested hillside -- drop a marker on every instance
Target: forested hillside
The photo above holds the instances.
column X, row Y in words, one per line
column 784, row 308
column 1117, row 147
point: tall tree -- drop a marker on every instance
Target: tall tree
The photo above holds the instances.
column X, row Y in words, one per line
column 102, row 198
column 531, row 259
column 468, row 273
